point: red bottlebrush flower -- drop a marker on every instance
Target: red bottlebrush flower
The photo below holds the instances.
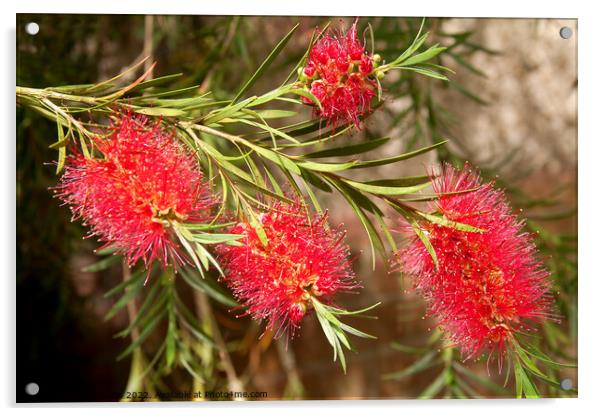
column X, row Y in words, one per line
column 488, row 285
column 143, row 182
column 338, row 73
column 303, row 258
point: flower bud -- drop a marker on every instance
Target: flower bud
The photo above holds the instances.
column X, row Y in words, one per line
column 301, row 74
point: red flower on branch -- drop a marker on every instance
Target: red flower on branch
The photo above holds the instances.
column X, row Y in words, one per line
column 488, row 285
column 303, row 258
column 339, row 74
column 142, row 183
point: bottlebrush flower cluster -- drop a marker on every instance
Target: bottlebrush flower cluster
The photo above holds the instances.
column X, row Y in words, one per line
column 303, row 258
column 143, row 182
column 487, row 285
column 338, row 74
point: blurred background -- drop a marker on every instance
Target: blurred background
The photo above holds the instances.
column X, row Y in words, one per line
column 510, row 109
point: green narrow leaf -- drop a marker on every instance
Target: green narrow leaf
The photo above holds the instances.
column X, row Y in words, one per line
column 408, row 349
column 266, row 64
column 271, row 114
column 335, row 330
column 61, row 159
column 102, row 264
column 314, row 37
column 148, row 329
column 532, row 367
column 273, row 181
column 386, row 232
column 426, row 361
column 426, row 71
column 206, row 238
column 371, row 33
column 315, row 180
column 386, row 190
column 220, row 114
column 349, row 150
column 276, row 157
column 192, row 323
column 191, row 371
column 311, row 194
column 307, row 94
column 271, row 95
column 155, row 82
column 172, row 93
column 468, row 93
column 269, row 129
column 535, row 352
column 400, row 182
column 518, row 380
column 436, row 219
column 207, row 227
column 256, row 224
column 60, row 143
column 170, row 337
column 524, row 384
column 211, row 259
column 460, row 60
column 376, row 243
column 83, row 146
column 425, row 240
column 200, row 251
column 473, row 394
column 404, row 156
column 105, row 250
column 416, row 44
column 62, row 149
column 185, row 238
column 327, row 167
column 338, row 311
column 435, row 387
column 97, row 86
column 423, row 56
column 135, row 278
column 130, row 294
column 159, row 111
column 478, row 379
column 208, row 286
column 410, row 217
column 147, row 310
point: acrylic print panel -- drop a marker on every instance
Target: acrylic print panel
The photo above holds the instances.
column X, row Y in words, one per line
column 268, row 208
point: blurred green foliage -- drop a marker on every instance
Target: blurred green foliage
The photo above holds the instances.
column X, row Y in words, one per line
column 59, row 337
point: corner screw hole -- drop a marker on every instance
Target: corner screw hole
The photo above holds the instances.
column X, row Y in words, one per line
column 32, row 28
column 32, row 389
column 566, row 32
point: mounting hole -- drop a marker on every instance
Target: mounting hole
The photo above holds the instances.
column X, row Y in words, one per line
column 32, row 28
column 566, row 32
column 32, row 389
column 566, row 384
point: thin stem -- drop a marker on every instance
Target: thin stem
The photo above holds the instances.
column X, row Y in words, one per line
column 44, row 93
column 132, row 309
column 148, row 44
column 287, row 357
column 67, row 117
column 234, row 382
column 137, row 379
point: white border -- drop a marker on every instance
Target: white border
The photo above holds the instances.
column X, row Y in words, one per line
column 589, row 152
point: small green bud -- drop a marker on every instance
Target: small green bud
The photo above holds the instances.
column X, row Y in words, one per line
column 301, row 74
column 376, row 58
column 380, row 74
